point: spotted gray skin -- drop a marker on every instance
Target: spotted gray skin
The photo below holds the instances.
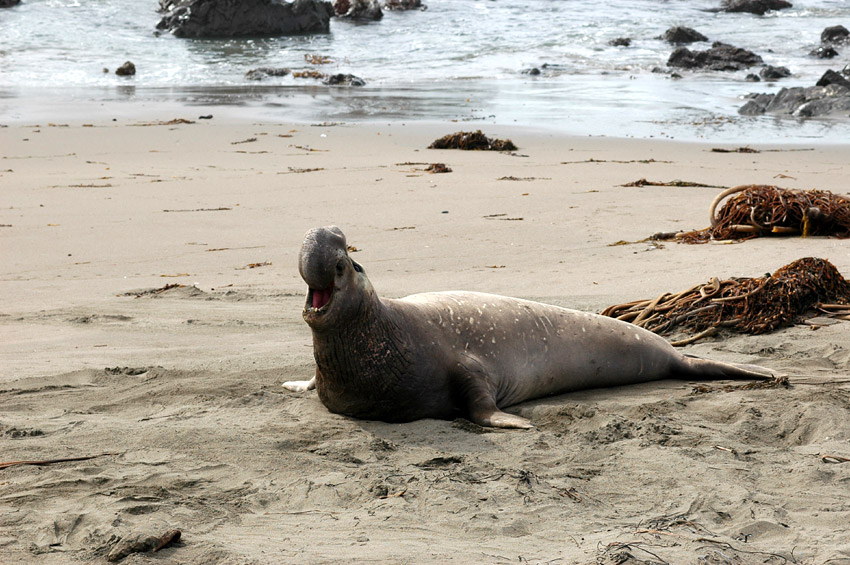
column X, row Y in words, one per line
column 466, row 354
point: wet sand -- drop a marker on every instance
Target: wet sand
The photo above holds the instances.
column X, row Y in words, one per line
column 176, row 393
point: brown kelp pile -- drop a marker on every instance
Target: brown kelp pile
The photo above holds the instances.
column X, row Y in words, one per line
column 757, row 210
column 472, row 140
column 747, row 305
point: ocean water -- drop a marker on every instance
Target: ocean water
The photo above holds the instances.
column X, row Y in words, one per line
column 458, row 60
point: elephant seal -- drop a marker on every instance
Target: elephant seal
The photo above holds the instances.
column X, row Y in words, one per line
column 465, row 354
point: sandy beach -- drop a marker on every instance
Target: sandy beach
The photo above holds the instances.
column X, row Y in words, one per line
column 174, row 394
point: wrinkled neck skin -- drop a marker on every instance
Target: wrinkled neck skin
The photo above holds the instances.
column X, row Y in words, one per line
column 362, row 359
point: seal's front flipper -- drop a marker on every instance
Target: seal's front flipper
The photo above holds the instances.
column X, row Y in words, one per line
column 499, row 419
column 300, row 386
column 478, row 391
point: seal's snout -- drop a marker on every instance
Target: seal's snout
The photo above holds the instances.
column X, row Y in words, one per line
column 321, row 252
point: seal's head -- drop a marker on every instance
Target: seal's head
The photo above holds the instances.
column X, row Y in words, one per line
column 338, row 288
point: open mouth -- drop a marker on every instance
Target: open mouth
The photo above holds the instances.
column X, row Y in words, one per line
column 317, row 299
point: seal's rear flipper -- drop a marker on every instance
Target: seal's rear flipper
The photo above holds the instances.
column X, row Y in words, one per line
column 697, row 367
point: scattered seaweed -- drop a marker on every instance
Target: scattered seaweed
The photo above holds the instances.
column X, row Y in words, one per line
column 152, row 291
column 592, row 160
column 644, row 182
column 300, row 170
column 759, row 210
column 513, row 178
column 736, row 150
column 254, row 265
column 747, row 305
column 472, row 141
column 174, row 122
column 309, row 73
column 219, row 209
column 435, row 168
column 748, row 149
column 316, row 59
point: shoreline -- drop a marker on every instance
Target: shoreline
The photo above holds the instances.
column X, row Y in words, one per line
column 179, row 388
column 483, row 105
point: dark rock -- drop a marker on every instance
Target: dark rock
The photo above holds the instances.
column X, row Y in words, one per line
column 9, row 3
column 241, row 18
column 721, row 57
column 824, row 52
column 358, row 9
column 547, row 69
column 758, row 7
column 831, row 77
column 261, row 73
column 402, row 5
column 681, row 35
column 813, row 101
column 620, row 42
column 753, row 78
column 128, row 69
column 769, row 72
column 343, row 80
column 835, row 34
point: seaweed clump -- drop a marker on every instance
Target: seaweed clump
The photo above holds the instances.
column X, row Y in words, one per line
column 746, row 305
column 472, row 141
column 759, row 210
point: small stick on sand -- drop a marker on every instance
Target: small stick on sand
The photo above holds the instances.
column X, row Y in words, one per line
column 51, row 461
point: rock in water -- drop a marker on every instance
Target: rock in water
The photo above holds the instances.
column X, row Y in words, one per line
column 681, row 34
column 824, row 52
column 831, row 77
column 402, row 5
column 769, row 72
column 128, row 69
column 242, row 18
column 758, row 7
column 721, row 57
column 358, row 9
column 344, row 80
column 830, row 97
column 835, row 34
column 262, row 73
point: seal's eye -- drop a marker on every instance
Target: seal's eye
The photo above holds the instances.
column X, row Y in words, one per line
column 357, row 267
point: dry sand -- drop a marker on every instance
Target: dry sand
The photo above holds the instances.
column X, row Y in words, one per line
column 178, row 393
